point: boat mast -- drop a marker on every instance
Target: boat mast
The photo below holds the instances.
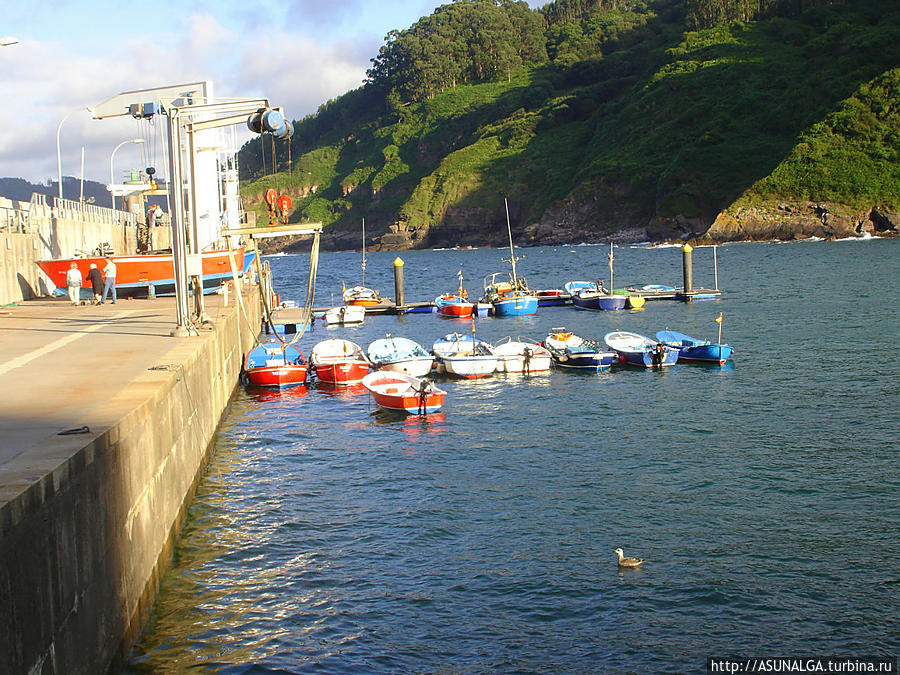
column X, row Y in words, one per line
column 363, row 251
column 610, row 268
column 512, row 257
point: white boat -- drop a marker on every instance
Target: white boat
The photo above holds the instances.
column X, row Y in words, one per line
column 339, row 361
column 521, row 356
column 464, row 356
column 345, row 314
column 400, row 355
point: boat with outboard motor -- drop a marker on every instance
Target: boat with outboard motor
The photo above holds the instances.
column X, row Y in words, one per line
column 692, row 349
column 639, row 350
column 402, row 392
column 521, row 356
column 572, row 352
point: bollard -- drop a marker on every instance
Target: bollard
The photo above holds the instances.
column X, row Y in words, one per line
column 688, row 271
column 398, row 283
column 151, row 291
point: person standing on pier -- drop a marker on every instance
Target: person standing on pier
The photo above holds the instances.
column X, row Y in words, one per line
column 110, row 273
column 96, row 280
column 73, row 283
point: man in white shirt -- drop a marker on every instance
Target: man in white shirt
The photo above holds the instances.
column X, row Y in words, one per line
column 109, row 273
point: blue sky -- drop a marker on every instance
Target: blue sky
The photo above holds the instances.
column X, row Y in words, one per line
column 72, row 54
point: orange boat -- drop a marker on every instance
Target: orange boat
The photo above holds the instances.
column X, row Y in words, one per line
column 138, row 274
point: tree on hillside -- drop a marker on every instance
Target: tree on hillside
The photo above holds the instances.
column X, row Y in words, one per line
column 463, row 42
column 706, row 13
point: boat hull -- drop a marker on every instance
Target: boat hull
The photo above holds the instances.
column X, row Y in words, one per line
column 522, row 357
column 516, row 305
column 417, row 367
column 347, row 314
column 706, row 353
column 453, row 306
column 136, row 274
column 342, row 372
column 404, row 393
column 692, row 349
column 274, row 364
column 338, row 361
column 599, row 301
column 469, row 367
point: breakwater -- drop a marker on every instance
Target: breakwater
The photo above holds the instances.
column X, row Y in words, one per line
column 49, row 227
column 88, row 521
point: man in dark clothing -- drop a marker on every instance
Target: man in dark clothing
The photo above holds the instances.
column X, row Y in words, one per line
column 96, row 279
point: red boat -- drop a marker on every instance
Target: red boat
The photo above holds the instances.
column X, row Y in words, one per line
column 275, row 364
column 450, row 304
column 136, row 274
column 339, row 361
column 404, row 393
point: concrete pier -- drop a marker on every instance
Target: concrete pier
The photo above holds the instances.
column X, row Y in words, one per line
column 105, row 426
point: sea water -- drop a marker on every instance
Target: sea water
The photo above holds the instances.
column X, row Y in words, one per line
column 328, row 536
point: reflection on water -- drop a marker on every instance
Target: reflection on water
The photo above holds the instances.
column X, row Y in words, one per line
column 332, row 536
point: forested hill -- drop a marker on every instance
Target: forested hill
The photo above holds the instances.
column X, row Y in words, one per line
column 626, row 120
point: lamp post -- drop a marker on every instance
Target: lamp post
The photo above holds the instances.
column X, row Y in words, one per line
column 58, row 155
column 111, row 191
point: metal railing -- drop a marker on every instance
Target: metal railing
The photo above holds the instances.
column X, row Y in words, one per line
column 77, row 210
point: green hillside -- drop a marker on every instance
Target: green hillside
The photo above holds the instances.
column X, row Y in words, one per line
column 598, row 119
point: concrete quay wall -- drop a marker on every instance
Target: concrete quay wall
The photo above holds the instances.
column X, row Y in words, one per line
column 84, row 544
column 47, row 228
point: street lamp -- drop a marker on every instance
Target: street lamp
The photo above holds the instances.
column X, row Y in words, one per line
column 111, row 190
column 58, row 156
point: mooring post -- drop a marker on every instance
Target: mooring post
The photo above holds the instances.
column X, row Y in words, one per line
column 398, row 284
column 688, row 271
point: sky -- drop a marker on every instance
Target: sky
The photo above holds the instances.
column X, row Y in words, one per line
column 74, row 54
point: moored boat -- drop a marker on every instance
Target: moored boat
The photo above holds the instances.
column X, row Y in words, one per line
column 345, row 314
column 595, row 296
column 275, row 364
column 361, row 296
column 639, row 350
column 404, row 393
column 692, row 349
column 521, row 356
column 451, row 304
column 512, row 298
column 464, row 356
column 573, row 352
column 339, row 361
column 401, row 355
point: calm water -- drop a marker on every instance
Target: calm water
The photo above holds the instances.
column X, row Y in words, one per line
column 328, row 537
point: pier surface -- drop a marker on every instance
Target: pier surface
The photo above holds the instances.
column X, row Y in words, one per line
column 105, row 426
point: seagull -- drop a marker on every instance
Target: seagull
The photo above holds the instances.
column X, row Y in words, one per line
column 628, row 562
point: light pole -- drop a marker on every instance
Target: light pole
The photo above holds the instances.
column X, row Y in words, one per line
column 111, row 190
column 58, row 155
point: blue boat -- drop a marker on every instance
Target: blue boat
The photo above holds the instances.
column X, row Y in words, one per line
column 575, row 353
column 510, row 298
column 692, row 349
column 638, row 350
column 595, row 296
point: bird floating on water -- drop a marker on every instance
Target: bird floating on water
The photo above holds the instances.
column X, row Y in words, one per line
column 628, row 562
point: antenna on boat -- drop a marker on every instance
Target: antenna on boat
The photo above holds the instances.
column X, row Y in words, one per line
column 363, row 251
column 611, row 258
column 512, row 257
